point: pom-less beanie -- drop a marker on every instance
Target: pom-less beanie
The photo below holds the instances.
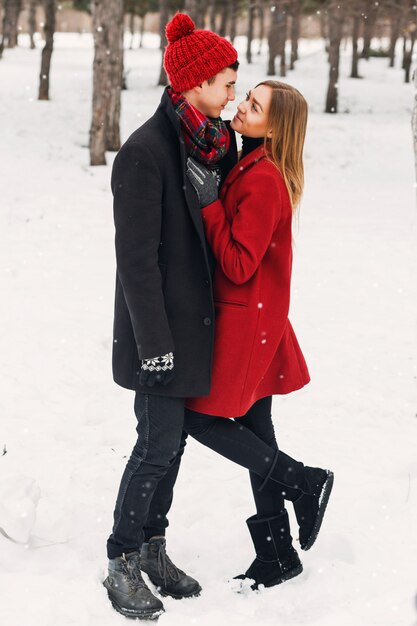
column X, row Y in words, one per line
column 193, row 56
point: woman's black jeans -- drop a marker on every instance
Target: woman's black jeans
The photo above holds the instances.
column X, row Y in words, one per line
column 146, row 489
column 249, row 441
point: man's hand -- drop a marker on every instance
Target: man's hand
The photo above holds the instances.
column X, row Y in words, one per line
column 204, row 182
column 157, row 370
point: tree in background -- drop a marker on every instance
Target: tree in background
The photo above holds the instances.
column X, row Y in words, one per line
column 255, row 11
column 196, row 9
column 49, row 30
column 32, row 22
column 107, row 78
column 295, row 11
column 280, row 13
column 409, row 37
column 262, row 9
column 82, row 5
column 356, row 17
column 277, row 36
column 249, row 34
column 396, row 16
column 12, row 9
column 163, row 21
column 336, row 16
column 414, row 125
column 371, row 10
column 131, row 11
column 212, row 12
column 167, row 8
column 233, row 13
column 282, row 36
column 115, row 61
column 224, row 16
column 140, row 9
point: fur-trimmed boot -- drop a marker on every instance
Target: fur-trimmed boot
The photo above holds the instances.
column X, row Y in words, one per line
column 307, row 487
column 276, row 559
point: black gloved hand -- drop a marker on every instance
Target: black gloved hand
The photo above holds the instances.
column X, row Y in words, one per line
column 204, row 182
column 157, row 370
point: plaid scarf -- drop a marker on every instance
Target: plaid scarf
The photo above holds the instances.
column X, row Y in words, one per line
column 207, row 140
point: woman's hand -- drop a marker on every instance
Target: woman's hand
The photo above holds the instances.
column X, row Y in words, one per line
column 204, row 182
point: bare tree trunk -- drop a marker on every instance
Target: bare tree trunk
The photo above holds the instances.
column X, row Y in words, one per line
column 131, row 29
column 49, row 29
column 404, row 50
column 414, row 124
column 282, row 37
column 142, row 30
column 196, row 9
column 163, row 20
column 277, row 36
column 201, row 13
column 32, row 22
column 369, row 27
column 13, row 33
column 355, row 52
column 335, row 34
column 2, row 33
column 233, row 19
column 409, row 48
column 295, row 31
column 115, row 60
column 273, row 39
column 224, row 14
column 191, row 7
column 12, row 9
column 101, row 81
column 324, row 26
column 394, row 36
column 212, row 15
column 261, row 14
column 251, row 15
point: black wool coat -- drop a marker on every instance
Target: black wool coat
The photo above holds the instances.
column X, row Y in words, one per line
column 163, row 299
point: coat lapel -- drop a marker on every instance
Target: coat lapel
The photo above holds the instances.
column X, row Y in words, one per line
column 189, row 192
column 243, row 165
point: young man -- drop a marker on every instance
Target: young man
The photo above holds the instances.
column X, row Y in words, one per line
column 164, row 312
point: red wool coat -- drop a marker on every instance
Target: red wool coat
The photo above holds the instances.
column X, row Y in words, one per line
column 256, row 353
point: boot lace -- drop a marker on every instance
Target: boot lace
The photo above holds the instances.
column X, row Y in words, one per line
column 131, row 569
column 166, row 567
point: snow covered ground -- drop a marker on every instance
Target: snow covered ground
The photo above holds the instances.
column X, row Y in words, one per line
column 67, row 428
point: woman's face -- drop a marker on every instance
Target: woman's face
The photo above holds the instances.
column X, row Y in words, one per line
column 252, row 114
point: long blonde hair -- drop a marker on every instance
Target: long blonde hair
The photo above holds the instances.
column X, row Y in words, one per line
column 288, row 121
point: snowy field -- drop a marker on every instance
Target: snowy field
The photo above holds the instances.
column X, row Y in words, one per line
column 67, row 429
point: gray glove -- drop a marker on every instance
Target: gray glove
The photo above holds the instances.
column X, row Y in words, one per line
column 204, row 182
column 157, row 370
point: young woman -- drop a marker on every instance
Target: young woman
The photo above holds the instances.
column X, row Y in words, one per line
column 256, row 354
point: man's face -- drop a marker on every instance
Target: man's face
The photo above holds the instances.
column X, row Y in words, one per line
column 212, row 99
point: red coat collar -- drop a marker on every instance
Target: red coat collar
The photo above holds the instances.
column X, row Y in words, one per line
column 244, row 164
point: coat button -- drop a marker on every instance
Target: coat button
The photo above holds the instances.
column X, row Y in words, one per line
column 207, row 321
column 206, row 282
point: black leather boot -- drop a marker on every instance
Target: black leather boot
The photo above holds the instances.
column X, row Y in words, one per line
column 169, row 579
column 276, row 559
column 127, row 590
column 308, row 488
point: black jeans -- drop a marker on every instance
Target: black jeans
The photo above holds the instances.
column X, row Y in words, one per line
column 249, row 441
column 146, row 489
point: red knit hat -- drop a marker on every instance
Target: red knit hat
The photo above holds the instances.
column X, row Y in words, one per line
column 192, row 56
